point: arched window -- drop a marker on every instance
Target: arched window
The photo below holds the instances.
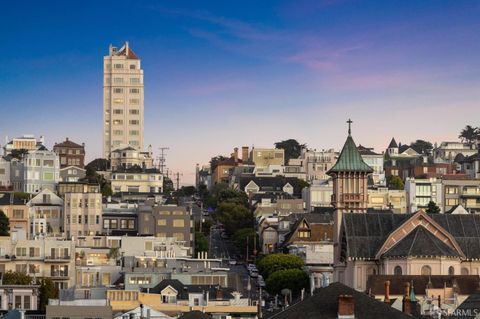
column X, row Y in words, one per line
column 397, row 271
column 426, row 270
column 451, row 271
column 464, row 271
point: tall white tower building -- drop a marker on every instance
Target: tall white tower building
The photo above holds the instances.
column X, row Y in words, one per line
column 123, row 109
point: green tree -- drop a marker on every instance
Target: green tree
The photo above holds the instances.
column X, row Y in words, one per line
column 234, row 216
column 469, row 134
column 291, row 147
column 293, row 279
column 201, row 242
column 233, row 196
column 22, row 195
column 395, row 182
column 19, row 154
column 16, row 278
column 240, row 239
column 4, row 224
column 215, row 160
column 432, row 208
column 47, row 291
column 302, row 184
column 98, row 164
column 422, row 147
column 275, row 262
column 187, row 190
column 106, row 190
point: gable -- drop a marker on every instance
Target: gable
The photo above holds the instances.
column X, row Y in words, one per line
column 169, row 290
column 251, row 186
column 421, row 219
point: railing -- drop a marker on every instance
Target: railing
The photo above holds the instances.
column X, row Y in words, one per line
column 57, row 258
column 35, row 316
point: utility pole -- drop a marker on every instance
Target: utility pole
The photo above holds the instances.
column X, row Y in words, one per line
column 162, row 158
column 177, row 177
column 201, row 215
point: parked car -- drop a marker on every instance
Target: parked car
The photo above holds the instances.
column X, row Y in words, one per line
column 253, row 274
column 232, row 262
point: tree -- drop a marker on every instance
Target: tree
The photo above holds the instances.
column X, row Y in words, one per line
column 106, row 190
column 47, row 291
column 16, row 278
column 4, row 224
column 98, row 164
column 275, row 262
column 113, row 253
column 234, row 216
column 215, row 160
column 469, row 134
column 233, row 196
column 293, row 279
column 187, row 190
column 302, row 184
column 292, row 148
column 240, row 239
column 19, row 153
column 432, row 208
column 395, row 182
column 422, row 147
column 201, row 242
column 22, row 195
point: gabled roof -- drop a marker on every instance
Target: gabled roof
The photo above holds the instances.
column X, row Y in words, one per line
column 421, row 243
column 393, row 143
column 324, row 305
column 469, row 307
column 130, row 54
column 350, row 159
column 366, row 150
column 366, row 233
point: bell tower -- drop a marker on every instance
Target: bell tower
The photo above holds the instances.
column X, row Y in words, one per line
column 350, row 190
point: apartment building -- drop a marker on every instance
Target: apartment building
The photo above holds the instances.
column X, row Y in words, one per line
column 35, row 171
column 46, row 214
column 137, row 180
column 77, row 187
column 123, row 100
column 70, row 153
column 167, row 221
column 421, row 191
column 83, row 213
column 316, row 163
column 40, row 258
column 26, row 142
column 267, row 156
column 19, row 297
column 375, row 161
column 5, row 183
column 465, row 192
column 129, row 157
column 383, row 198
column 318, row 194
column 16, row 210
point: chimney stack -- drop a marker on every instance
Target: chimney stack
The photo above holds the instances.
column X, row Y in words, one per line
column 235, row 154
column 346, row 307
column 387, row 292
column 406, row 305
column 245, row 154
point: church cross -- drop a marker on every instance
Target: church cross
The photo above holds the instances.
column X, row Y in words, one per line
column 349, row 126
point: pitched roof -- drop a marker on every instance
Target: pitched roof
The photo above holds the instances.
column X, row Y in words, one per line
column 366, row 233
column 68, row 143
column 421, row 243
column 350, row 159
column 469, row 308
column 130, row 54
column 393, row 143
column 196, row 314
column 465, row 284
column 324, row 305
column 366, row 150
column 272, row 184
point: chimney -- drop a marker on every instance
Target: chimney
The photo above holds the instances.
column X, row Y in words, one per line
column 245, row 154
column 126, row 48
column 406, row 305
column 346, row 307
column 66, row 139
column 235, row 154
column 387, row 292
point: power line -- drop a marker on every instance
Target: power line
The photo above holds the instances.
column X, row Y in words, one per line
column 162, row 158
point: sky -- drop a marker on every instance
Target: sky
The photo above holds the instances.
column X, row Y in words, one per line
column 225, row 74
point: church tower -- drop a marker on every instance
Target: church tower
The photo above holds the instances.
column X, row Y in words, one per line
column 350, row 189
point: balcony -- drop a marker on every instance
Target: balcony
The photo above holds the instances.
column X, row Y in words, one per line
column 57, row 274
column 57, row 259
column 352, row 197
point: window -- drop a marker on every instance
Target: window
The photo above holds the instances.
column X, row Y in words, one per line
column 118, row 66
column 48, row 163
column 451, row 190
column 26, row 302
column 86, row 219
column 464, row 271
column 117, row 122
column 117, row 90
column 134, row 112
column 426, row 271
column 34, row 252
column 21, row 268
column 118, row 80
column 134, row 81
column 304, row 233
column 17, row 214
column 397, row 271
column 451, row 271
column 117, row 132
column 132, row 67
column 134, row 132
column 134, row 90
column 97, row 219
column 178, row 223
column 134, row 143
column 179, row 236
column 162, row 222
column 134, row 122
column 452, row 201
column 79, row 219
column 21, row 251
column 118, row 111
column 18, row 302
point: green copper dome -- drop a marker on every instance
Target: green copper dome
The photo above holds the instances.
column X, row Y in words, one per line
column 350, row 159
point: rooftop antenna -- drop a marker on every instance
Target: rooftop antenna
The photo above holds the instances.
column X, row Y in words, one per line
column 162, row 158
column 177, row 177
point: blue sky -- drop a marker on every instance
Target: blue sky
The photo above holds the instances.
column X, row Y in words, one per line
column 220, row 74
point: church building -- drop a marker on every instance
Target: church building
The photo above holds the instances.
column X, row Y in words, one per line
column 384, row 243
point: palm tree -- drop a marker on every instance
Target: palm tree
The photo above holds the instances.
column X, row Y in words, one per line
column 469, row 134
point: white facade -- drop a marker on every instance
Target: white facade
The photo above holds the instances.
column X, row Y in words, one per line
column 36, row 171
column 421, row 191
column 129, row 157
column 319, row 194
column 46, row 214
column 123, row 101
column 4, row 173
column 316, row 163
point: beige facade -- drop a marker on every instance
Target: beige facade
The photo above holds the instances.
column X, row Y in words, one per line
column 16, row 211
column 83, row 214
column 384, row 198
column 123, row 102
column 267, row 156
column 129, row 157
column 132, row 181
column 40, row 258
column 79, row 309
